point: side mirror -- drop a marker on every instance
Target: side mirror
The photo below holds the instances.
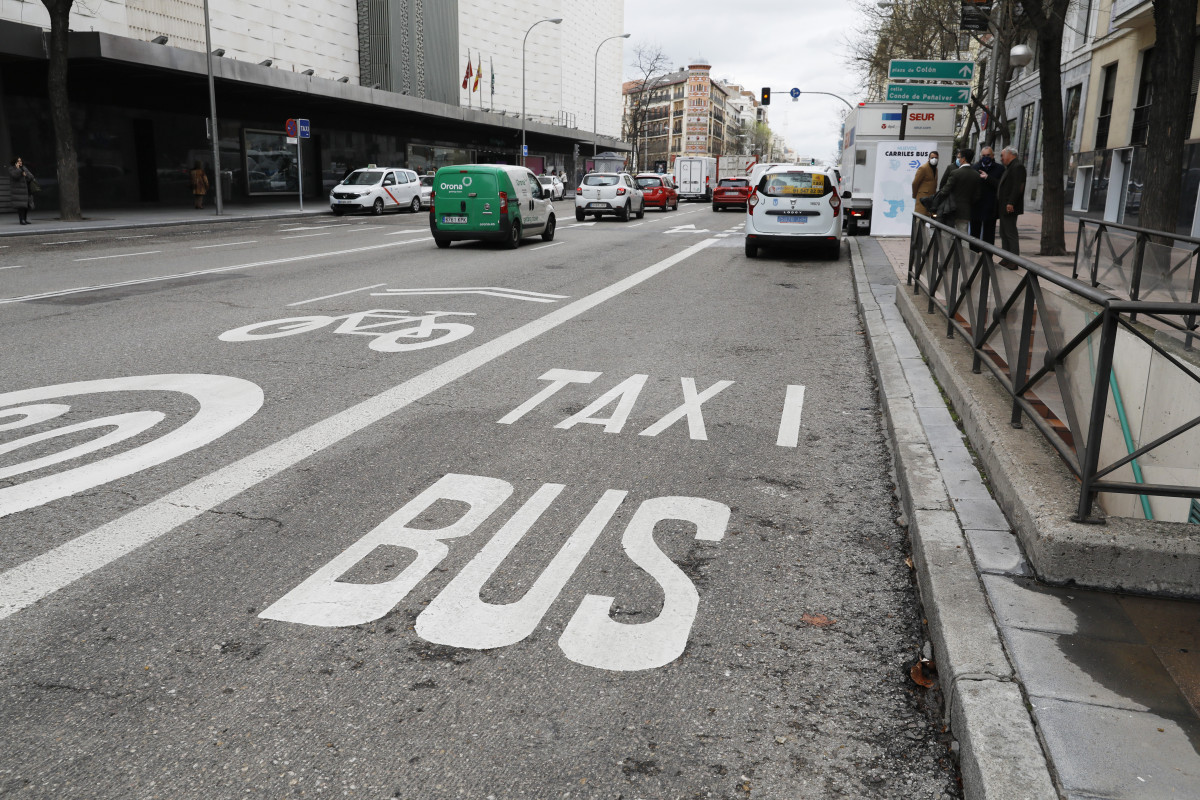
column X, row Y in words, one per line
column 546, row 194
column 846, row 195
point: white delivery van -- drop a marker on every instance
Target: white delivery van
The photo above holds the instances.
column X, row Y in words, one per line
column 695, row 177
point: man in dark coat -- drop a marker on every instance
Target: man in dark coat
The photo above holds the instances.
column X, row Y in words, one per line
column 983, row 215
column 963, row 185
column 1010, row 201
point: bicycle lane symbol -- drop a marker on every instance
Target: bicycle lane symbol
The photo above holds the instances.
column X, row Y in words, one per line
column 391, row 330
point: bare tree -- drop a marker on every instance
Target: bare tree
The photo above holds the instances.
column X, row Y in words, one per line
column 650, row 66
column 1168, row 114
column 60, row 112
column 920, row 29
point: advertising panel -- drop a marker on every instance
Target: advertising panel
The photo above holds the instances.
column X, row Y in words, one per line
column 896, row 164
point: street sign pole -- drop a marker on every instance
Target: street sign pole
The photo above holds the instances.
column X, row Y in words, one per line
column 903, row 119
column 300, row 173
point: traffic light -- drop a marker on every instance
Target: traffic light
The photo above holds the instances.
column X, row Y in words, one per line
column 766, row 96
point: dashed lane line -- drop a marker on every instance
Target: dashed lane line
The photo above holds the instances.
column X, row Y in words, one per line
column 214, row 270
column 306, row 235
column 69, row 241
column 336, row 294
column 544, row 246
column 120, row 255
column 25, row 584
column 15, row 266
column 223, row 244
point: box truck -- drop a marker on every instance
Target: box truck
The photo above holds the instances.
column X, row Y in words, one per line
column 695, row 177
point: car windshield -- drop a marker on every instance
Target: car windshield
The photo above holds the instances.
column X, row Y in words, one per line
column 363, row 177
column 734, row 183
column 649, row 183
column 545, row 181
column 601, row 180
column 783, row 184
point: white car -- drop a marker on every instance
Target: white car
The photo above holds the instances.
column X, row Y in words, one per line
column 426, row 190
column 793, row 205
column 554, row 184
column 609, row 193
column 377, row 189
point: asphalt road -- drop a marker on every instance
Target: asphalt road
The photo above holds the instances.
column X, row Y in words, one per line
column 615, row 523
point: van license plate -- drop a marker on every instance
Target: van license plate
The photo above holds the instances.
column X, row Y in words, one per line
column 797, row 218
column 454, row 219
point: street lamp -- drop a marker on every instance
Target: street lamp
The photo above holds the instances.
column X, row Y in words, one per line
column 212, row 108
column 596, row 90
column 556, row 21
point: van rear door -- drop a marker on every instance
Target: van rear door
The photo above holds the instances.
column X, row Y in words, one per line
column 466, row 199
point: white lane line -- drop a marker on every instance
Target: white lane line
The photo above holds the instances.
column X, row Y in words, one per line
column 245, row 227
column 69, row 241
column 722, row 235
column 141, row 236
column 225, row 244
column 789, row 421
column 26, row 583
column 338, row 294
column 634, row 225
column 399, row 233
column 370, row 227
column 455, row 289
column 120, row 255
column 305, row 235
column 214, row 270
column 16, row 266
column 544, row 246
column 314, row 227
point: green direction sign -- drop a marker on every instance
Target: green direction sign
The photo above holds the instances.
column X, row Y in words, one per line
column 913, row 93
column 900, row 69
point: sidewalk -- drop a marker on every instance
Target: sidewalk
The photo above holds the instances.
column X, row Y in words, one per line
column 48, row 221
column 1051, row 692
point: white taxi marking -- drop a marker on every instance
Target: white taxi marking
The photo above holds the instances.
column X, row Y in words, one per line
column 789, row 421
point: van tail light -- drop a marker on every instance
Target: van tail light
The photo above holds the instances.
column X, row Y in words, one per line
column 753, row 201
column 432, row 197
column 836, row 202
column 620, row 192
column 504, row 202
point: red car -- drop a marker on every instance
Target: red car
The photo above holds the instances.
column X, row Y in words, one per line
column 658, row 191
column 731, row 192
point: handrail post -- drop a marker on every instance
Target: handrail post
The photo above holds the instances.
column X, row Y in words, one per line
column 912, row 247
column 1078, row 250
column 1089, row 464
column 1096, row 261
column 952, row 289
column 981, row 317
column 1135, row 281
column 1023, row 346
column 1191, row 318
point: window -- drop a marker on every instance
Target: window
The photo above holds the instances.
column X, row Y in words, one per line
column 1108, row 83
column 1145, row 96
column 1071, row 119
column 1026, row 140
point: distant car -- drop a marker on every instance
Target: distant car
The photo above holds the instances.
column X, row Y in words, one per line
column 658, row 191
column 793, row 205
column 554, row 184
column 731, row 193
column 426, row 190
column 377, row 190
column 609, row 193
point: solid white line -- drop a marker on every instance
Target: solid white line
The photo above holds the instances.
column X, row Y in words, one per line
column 120, row 255
column 313, row 227
column 26, row 583
column 304, row 235
column 370, row 227
column 544, row 246
column 225, row 244
column 141, row 236
column 506, row 295
column 432, row 289
column 634, row 225
column 789, row 421
column 400, row 233
column 71, row 241
column 177, row 276
column 18, row 266
column 339, row 294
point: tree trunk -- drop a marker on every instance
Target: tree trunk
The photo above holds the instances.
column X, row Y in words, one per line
column 60, row 113
column 1173, row 51
column 1048, row 18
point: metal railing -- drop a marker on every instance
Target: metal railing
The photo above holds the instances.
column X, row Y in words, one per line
column 1011, row 317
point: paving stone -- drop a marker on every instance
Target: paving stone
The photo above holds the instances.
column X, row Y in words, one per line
column 1101, row 752
column 1030, row 605
column 997, row 552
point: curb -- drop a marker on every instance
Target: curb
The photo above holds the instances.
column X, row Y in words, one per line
column 1000, row 755
column 50, row 227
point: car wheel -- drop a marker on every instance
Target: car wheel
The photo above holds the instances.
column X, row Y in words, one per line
column 416, row 205
column 377, row 209
column 751, row 248
column 337, row 212
column 623, row 214
column 548, row 234
column 579, row 215
column 642, row 212
column 833, row 251
column 716, row 207
column 676, row 206
column 514, row 236
column 441, row 243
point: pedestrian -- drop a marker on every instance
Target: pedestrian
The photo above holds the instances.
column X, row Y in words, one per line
column 1010, row 202
column 22, row 188
column 983, row 214
column 925, row 183
column 962, row 187
column 199, row 184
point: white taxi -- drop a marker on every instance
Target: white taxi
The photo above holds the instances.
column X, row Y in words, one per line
column 377, row 190
column 792, row 205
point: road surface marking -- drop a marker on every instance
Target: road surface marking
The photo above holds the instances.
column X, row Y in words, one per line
column 690, row 409
column 305, row 235
column 544, row 246
column 493, row 291
column 337, row 294
column 789, row 422
column 580, row 225
column 313, row 227
column 141, row 236
column 225, row 244
column 120, row 255
column 214, row 270
column 17, row 266
column 70, row 241
column 26, row 583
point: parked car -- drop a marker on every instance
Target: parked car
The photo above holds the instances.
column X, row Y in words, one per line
column 554, row 184
column 731, row 193
column 792, row 205
column 491, row 202
column 609, row 193
column 426, row 190
column 376, row 190
column 658, row 191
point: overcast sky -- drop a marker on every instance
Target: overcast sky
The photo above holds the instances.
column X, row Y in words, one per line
column 757, row 43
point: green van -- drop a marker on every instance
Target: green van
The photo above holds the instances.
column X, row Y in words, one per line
column 493, row 202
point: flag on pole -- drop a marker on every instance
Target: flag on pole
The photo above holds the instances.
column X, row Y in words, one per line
column 478, row 74
column 492, row 69
column 469, row 72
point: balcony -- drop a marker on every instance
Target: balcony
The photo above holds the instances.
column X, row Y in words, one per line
column 1132, row 13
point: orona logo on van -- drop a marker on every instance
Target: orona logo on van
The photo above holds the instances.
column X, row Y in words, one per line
column 449, row 187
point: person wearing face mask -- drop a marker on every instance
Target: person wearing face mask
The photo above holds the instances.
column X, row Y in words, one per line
column 963, row 185
column 925, row 183
column 983, row 213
